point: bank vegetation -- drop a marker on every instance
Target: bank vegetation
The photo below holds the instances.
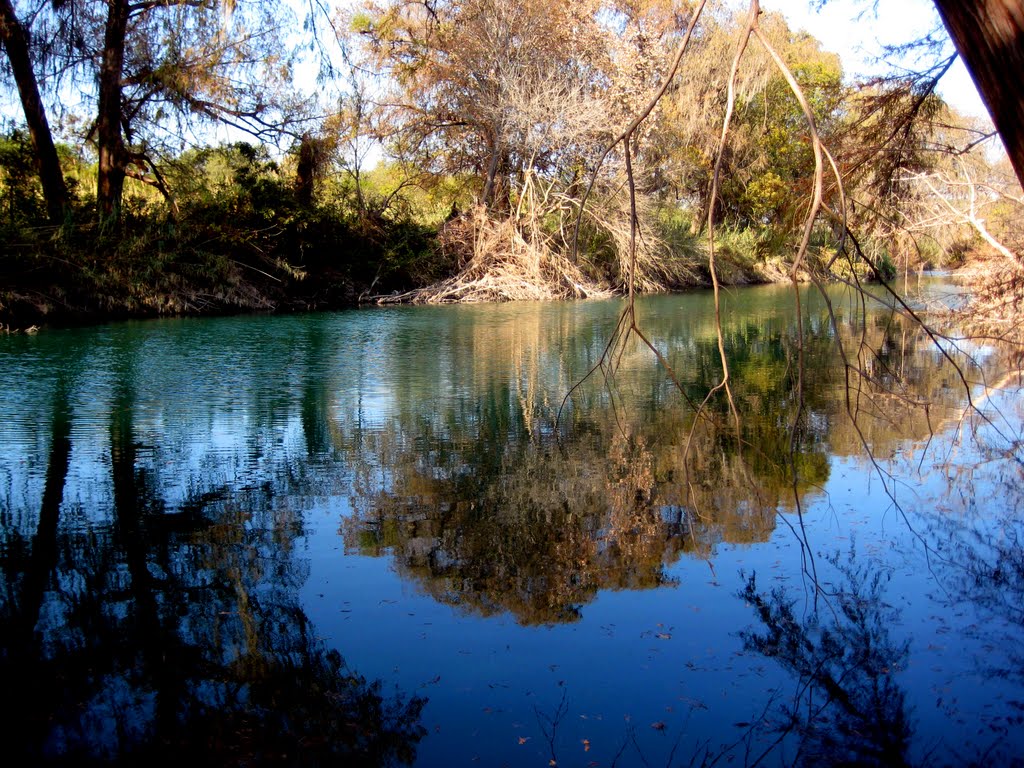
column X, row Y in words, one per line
column 166, row 162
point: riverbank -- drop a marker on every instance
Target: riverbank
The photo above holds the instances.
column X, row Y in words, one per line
column 44, row 285
column 84, row 294
column 52, row 278
column 78, row 296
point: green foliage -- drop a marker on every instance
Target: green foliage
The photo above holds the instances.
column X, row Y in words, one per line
column 677, row 228
column 236, row 238
column 777, row 182
column 766, row 197
column 20, row 193
column 885, row 268
column 741, row 246
column 685, row 248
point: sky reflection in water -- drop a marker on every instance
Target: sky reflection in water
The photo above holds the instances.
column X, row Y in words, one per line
column 365, row 534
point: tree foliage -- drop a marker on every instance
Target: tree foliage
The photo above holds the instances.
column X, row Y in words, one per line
column 153, row 71
column 493, row 117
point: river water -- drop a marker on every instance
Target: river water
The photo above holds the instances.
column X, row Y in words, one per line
column 426, row 536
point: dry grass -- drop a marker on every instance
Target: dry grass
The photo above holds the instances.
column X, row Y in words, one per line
column 527, row 254
column 503, row 261
column 996, row 303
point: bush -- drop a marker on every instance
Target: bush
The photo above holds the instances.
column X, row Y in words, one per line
column 885, row 268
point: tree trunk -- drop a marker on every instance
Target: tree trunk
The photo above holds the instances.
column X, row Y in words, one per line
column 15, row 41
column 989, row 34
column 306, row 170
column 113, row 156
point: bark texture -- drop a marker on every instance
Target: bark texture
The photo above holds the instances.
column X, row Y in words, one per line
column 989, row 34
column 113, row 155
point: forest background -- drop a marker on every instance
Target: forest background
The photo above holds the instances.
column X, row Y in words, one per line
column 166, row 160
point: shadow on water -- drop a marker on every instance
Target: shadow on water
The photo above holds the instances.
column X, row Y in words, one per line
column 845, row 704
column 846, row 707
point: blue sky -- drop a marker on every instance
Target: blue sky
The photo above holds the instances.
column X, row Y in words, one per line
column 846, row 27
column 851, row 29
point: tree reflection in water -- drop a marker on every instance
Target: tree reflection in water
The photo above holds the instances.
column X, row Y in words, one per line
column 847, row 708
column 157, row 510
column 502, row 509
column 177, row 634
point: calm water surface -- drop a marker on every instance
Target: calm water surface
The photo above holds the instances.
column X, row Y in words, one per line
column 374, row 538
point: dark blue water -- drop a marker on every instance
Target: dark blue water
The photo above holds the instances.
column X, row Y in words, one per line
column 380, row 537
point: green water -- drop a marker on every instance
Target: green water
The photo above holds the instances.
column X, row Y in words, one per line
column 477, row 535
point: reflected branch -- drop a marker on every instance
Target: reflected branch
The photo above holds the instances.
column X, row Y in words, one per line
column 847, row 707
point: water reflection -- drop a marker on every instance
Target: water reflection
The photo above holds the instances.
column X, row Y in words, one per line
column 846, row 707
column 157, row 483
column 500, row 508
column 159, row 633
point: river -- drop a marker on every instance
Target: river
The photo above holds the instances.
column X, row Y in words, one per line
column 425, row 535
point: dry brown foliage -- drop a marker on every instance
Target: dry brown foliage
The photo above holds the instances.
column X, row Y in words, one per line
column 501, row 261
column 996, row 287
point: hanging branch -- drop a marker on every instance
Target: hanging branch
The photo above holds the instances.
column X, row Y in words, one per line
column 801, row 265
column 730, row 103
column 641, row 116
column 627, row 324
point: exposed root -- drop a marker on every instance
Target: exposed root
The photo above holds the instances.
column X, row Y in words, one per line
column 504, row 261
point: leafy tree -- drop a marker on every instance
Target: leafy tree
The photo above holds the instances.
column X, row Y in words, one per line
column 468, row 79
column 766, row 168
column 155, row 70
column 15, row 41
column 208, row 60
column 18, row 176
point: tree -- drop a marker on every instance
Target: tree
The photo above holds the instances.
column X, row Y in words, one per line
column 113, row 154
column 178, row 62
column 16, row 43
column 769, row 162
column 989, row 35
column 156, row 69
column 462, row 71
column 522, row 98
